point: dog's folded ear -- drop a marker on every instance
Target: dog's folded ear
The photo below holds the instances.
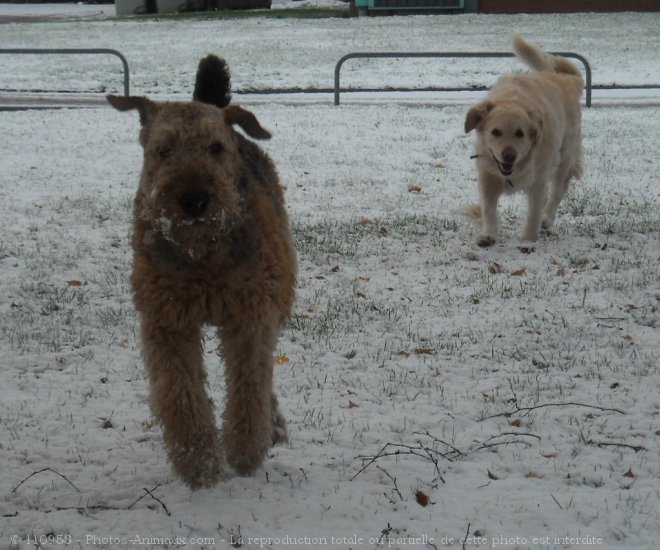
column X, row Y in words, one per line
column 477, row 114
column 146, row 107
column 213, row 82
column 247, row 121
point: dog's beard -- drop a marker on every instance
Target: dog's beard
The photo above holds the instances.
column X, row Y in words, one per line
column 195, row 237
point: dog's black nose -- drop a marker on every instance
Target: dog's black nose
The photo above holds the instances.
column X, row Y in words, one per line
column 509, row 156
column 195, row 203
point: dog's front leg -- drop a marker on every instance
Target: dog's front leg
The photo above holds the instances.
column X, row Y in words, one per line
column 535, row 201
column 489, row 194
column 178, row 399
column 252, row 421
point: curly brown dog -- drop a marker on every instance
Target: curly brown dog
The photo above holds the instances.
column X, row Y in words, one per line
column 212, row 245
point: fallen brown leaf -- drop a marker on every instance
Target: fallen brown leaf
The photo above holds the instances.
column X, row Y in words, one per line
column 422, row 498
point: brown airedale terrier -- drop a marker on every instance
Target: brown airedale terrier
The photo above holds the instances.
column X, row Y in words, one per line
column 212, row 245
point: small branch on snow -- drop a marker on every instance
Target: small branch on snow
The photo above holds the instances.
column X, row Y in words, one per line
column 516, row 434
column 42, row 471
column 454, row 449
column 465, row 538
column 396, row 487
column 635, row 448
column 497, row 444
column 385, row 533
column 556, row 501
column 400, row 450
column 487, row 445
column 150, row 493
column 568, row 404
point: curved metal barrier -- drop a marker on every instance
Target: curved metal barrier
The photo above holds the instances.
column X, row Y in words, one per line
column 367, row 55
column 73, row 51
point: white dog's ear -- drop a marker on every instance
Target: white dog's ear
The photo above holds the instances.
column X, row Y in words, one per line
column 145, row 107
column 477, row 114
column 246, row 120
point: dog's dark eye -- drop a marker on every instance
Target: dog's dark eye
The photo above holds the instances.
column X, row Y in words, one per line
column 164, row 152
column 496, row 133
column 519, row 134
column 215, row 148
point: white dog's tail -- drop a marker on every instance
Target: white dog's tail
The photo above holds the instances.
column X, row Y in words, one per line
column 537, row 59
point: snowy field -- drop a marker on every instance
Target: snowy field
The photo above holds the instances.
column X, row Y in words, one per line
column 438, row 395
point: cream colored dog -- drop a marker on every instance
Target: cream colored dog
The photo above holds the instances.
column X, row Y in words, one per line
column 528, row 136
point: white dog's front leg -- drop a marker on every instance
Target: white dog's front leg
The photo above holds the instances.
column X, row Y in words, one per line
column 535, row 200
column 489, row 195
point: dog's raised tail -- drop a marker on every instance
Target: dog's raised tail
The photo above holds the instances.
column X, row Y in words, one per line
column 213, row 82
column 539, row 60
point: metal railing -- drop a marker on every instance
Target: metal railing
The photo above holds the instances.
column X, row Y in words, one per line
column 368, row 55
column 73, row 51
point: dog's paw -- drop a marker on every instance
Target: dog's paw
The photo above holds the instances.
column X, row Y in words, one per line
column 280, row 434
column 530, row 236
column 199, row 467
column 486, row 240
column 547, row 227
column 246, row 447
column 245, row 464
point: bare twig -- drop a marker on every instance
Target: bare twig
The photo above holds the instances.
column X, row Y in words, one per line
column 498, row 443
column 487, row 445
column 385, row 533
column 567, row 404
column 42, row 471
column 148, row 492
column 635, row 448
column 393, row 479
column 515, row 434
column 399, row 450
column 465, row 538
column 556, row 501
column 157, row 499
column 437, row 440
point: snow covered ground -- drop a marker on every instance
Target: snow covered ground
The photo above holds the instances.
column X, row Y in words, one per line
column 90, row 11
column 434, row 391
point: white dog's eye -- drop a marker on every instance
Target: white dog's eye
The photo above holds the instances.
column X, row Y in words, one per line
column 496, row 132
column 519, row 134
